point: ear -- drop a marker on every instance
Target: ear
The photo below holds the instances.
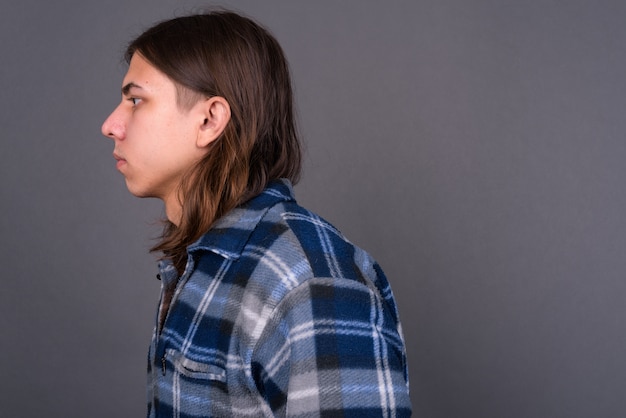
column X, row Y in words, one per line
column 216, row 112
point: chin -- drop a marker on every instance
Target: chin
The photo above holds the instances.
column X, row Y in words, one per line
column 137, row 191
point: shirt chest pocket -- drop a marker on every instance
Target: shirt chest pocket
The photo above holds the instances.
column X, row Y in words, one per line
column 192, row 388
column 195, row 370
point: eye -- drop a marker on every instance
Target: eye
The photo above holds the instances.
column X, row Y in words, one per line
column 134, row 100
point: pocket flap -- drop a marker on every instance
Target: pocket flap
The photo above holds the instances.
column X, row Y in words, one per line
column 195, row 369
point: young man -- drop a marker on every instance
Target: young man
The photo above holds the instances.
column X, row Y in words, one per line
column 266, row 309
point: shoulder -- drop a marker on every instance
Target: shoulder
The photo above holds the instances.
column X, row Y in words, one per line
column 293, row 238
column 291, row 246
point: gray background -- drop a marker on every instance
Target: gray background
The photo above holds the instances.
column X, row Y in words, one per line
column 474, row 147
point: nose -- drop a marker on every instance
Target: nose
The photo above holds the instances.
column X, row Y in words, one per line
column 114, row 126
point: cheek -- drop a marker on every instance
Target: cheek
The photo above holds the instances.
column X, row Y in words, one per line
column 141, row 132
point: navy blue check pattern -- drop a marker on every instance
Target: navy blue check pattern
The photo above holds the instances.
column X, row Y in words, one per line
column 277, row 314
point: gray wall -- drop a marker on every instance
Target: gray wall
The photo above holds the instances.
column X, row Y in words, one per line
column 475, row 148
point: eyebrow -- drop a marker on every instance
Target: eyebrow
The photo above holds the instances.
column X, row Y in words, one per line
column 127, row 87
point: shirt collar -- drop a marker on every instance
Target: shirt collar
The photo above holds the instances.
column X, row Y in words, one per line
column 230, row 233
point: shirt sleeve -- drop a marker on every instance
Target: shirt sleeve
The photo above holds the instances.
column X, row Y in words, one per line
column 332, row 348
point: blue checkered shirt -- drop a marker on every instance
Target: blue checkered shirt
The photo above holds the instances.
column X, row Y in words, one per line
column 276, row 314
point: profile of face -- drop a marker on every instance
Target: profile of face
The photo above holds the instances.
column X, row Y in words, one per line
column 156, row 141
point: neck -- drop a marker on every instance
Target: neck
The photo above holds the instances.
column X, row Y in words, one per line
column 173, row 210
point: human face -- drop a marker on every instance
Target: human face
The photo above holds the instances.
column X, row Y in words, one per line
column 155, row 140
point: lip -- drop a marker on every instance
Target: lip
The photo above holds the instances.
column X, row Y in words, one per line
column 120, row 160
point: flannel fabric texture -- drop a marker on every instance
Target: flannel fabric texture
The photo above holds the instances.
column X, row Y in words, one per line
column 277, row 314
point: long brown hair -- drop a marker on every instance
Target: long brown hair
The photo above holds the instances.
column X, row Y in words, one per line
column 228, row 55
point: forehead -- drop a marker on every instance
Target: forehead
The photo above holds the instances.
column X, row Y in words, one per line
column 143, row 75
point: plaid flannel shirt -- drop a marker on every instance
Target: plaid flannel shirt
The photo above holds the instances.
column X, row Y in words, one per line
column 277, row 314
